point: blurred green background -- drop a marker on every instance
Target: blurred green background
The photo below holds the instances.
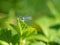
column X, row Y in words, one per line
column 43, row 15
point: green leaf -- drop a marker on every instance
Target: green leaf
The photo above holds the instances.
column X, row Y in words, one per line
column 3, row 43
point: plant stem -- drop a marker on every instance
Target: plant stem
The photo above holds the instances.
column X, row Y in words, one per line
column 10, row 43
column 21, row 41
column 48, row 43
column 20, row 32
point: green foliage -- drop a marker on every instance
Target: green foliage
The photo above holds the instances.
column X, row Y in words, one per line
column 45, row 13
column 23, row 32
